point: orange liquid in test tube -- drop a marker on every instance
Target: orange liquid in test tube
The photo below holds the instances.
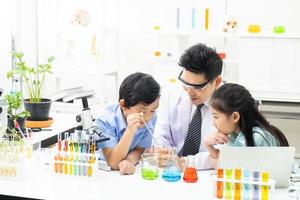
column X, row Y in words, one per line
column 220, row 184
column 237, row 186
column 56, row 164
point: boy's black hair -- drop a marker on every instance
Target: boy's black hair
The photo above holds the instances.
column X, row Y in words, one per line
column 201, row 59
column 231, row 98
column 139, row 88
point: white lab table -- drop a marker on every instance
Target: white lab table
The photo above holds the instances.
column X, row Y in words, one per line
column 110, row 185
column 42, row 184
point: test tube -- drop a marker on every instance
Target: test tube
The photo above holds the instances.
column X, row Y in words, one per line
column 178, row 18
column 237, row 186
column 90, row 167
column 81, row 161
column 60, row 165
column 220, row 184
column 265, row 188
column 66, row 142
column 193, row 18
column 59, row 157
column 70, row 161
column 66, row 148
column 71, row 158
column 56, row 164
column 206, row 18
column 75, row 161
column 65, row 164
column 59, row 142
column 246, row 185
column 256, row 177
column 84, row 159
column 228, row 183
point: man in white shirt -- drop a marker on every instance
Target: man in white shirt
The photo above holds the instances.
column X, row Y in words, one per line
column 184, row 118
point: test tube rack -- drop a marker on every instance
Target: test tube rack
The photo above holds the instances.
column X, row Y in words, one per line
column 74, row 164
column 13, row 160
column 230, row 187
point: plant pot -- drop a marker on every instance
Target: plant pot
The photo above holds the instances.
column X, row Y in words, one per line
column 38, row 111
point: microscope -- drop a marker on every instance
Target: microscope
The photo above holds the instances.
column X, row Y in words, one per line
column 86, row 130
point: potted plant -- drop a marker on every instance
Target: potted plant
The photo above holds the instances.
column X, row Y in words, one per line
column 33, row 79
column 16, row 117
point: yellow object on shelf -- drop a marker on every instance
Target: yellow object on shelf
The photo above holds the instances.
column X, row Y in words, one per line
column 156, row 27
column 172, row 80
column 253, row 28
column 157, row 53
column 278, row 29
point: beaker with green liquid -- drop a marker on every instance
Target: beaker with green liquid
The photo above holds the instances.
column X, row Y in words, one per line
column 150, row 169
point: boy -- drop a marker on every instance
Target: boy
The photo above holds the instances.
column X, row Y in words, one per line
column 124, row 122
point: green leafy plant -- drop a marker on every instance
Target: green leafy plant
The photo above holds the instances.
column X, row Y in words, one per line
column 14, row 101
column 33, row 77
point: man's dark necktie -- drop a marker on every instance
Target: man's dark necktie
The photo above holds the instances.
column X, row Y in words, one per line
column 193, row 138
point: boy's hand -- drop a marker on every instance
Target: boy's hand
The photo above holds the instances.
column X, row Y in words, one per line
column 134, row 120
column 216, row 138
column 126, row 167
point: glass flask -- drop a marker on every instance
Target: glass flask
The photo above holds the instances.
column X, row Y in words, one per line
column 150, row 166
column 190, row 173
column 172, row 172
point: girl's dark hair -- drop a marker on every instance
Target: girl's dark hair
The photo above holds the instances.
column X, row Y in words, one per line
column 139, row 88
column 231, row 98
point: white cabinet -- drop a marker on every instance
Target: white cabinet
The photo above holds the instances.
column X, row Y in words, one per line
column 267, row 64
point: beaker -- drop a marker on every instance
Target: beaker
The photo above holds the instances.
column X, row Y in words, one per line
column 172, row 172
column 190, row 173
column 149, row 166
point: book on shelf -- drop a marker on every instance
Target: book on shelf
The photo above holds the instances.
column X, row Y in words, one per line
column 58, row 96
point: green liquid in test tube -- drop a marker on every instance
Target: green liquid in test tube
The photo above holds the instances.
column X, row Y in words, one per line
column 75, row 162
column 228, row 184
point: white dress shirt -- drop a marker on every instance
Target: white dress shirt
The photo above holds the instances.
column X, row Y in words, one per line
column 174, row 115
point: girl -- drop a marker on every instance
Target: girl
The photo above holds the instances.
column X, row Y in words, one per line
column 239, row 122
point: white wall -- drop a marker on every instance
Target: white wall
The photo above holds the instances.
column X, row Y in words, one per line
column 126, row 41
column 5, row 43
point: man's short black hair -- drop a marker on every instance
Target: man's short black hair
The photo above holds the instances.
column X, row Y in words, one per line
column 139, row 88
column 201, row 59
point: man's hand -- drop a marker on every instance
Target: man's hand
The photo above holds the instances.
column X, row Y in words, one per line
column 126, row 167
column 163, row 156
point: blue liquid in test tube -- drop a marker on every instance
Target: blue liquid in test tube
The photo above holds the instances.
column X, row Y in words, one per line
column 246, row 186
column 193, row 18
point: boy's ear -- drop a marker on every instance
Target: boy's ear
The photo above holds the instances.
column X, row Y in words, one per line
column 122, row 103
column 236, row 117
